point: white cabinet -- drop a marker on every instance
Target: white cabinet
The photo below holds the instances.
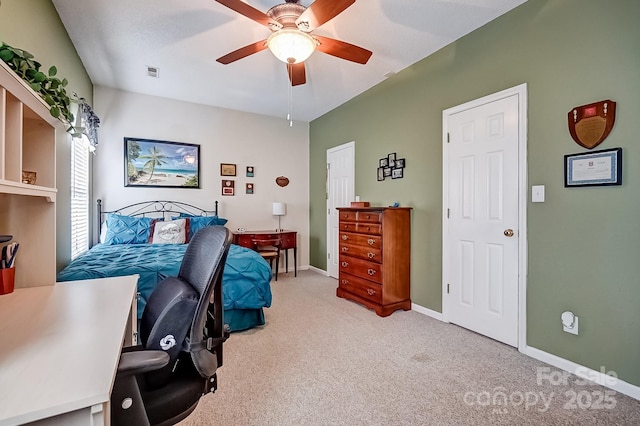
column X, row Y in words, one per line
column 28, row 143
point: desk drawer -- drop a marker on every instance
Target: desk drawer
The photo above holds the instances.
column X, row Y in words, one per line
column 362, row 268
column 374, row 242
column 361, row 287
column 366, row 253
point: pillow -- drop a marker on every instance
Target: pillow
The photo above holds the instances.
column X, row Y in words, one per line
column 103, row 232
column 169, row 231
column 127, row 229
column 196, row 223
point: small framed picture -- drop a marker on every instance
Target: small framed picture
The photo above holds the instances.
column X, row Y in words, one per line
column 391, row 159
column 596, row 168
column 228, row 187
column 383, row 162
column 227, row 169
column 400, row 163
column 249, row 188
column 386, row 171
column 380, row 173
column 250, row 172
column 397, row 173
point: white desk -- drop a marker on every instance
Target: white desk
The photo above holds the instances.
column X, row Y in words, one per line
column 59, row 350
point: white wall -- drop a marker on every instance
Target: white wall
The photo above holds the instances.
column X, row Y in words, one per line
column 224, row 136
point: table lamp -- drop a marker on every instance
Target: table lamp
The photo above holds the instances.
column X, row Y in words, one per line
column 279, row 209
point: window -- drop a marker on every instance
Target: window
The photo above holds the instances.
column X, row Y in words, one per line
column 79, row 197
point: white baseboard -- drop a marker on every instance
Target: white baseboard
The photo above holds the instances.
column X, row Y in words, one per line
column 598, row 377
column 318, row 270
column 581, row 371
column 426, row 311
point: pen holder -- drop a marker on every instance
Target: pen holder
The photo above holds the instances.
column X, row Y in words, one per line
column 7, row 278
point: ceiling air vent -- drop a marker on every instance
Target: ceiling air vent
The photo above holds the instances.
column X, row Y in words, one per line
column 153, row 72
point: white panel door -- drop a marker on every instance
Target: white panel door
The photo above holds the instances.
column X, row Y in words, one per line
column 340, row 193
column 482, row 223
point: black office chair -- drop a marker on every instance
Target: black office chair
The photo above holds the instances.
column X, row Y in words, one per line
column 161, row 381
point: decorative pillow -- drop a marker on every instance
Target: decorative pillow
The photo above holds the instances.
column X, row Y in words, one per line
column 196, row 223
column 170, row 231
column 127, row 229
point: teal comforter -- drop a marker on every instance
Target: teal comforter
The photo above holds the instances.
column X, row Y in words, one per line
column 245, row 281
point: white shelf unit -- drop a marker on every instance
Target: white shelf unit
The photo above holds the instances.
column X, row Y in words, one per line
column 28, row 143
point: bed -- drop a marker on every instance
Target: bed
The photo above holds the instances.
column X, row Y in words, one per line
column 150, row 238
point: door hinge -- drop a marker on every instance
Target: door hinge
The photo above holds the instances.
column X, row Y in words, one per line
column 329, row 211
column 447, row 288
column 328, row 255
column 448, row 137
column 448, row 213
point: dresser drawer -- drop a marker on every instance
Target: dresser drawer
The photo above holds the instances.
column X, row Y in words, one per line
column 348, row 216
column 361, row 287
column 362, row 268
column 369, row 217
column 369, row 228
column 373, row 241
column 348, row 226
column 367, row 253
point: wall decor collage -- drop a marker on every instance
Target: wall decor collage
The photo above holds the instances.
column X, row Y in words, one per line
column 392, row 167
column 228, row 185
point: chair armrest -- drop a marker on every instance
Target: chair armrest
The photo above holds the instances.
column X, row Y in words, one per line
column 142, row 361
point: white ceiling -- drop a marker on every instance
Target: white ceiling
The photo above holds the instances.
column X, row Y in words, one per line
column 118, row 39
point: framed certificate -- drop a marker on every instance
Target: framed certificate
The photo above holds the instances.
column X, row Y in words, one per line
column 598, row 168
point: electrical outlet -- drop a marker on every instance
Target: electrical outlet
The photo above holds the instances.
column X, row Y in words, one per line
column 569, row 322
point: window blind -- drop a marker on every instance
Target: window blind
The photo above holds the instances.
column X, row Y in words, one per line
column 79, row 197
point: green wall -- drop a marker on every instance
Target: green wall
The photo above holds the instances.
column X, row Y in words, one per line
column 34, row 25
column 584, row 243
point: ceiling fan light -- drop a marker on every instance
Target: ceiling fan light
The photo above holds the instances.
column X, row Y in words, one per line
column 291, row 46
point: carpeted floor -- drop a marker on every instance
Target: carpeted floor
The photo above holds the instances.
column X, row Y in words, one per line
column 321, row 360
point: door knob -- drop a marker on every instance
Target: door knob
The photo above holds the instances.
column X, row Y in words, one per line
column 508, row 232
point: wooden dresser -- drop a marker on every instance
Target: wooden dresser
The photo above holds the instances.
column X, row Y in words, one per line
column 375, row 257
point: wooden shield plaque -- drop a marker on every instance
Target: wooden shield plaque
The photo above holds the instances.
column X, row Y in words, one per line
column 590, row 124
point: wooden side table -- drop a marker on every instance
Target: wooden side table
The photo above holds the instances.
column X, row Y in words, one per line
column 289, row 241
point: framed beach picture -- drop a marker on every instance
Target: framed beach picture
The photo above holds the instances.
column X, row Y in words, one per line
column 161, row 164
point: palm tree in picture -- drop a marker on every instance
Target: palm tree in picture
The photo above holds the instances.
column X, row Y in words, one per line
column 155, row 158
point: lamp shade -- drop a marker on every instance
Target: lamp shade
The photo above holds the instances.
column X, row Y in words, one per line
column 279, row 209
column 291, row 46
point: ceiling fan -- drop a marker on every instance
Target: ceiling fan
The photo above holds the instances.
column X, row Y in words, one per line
column 291, row 40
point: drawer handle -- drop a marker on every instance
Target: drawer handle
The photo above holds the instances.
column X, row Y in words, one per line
column 371, row 241
column 345, row 238
column 345, row 249
column 371, row 271
column 345, row 281
column 371, row 291
column 368, row 228
column 368, row 216
column 345, row 264
column 371, row 255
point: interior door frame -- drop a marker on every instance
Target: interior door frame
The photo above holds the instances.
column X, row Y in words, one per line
column 348, row 145
column 521, row 92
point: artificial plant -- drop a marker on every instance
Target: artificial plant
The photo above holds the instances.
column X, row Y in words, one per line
column 48, row 86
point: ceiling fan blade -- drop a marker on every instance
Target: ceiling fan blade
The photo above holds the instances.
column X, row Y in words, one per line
column 243, row 52
column 320, row 11
column 251, row 13
column 343, row 50
column 296, row 73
